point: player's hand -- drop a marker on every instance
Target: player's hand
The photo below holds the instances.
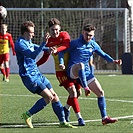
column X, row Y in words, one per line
column 52, row 50
column 87, row 92
column 62, row 66
column 46, row 37
column 119, row 62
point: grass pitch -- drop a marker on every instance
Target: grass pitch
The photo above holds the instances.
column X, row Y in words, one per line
column 16, row 99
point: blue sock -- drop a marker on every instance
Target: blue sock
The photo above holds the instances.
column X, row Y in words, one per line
column 58, row 109
column 82, row 78
column 102, row 106
column 39, row 105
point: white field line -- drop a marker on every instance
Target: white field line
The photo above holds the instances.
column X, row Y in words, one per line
column 83, row 98
column 50, row 124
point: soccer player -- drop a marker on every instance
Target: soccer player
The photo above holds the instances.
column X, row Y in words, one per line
column 58, row 41
column 34, row 81
column 81, row 50
column 5, row 41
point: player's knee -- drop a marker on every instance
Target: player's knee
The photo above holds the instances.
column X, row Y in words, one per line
column 55, row 98
column 49, row 99
column 72, row 91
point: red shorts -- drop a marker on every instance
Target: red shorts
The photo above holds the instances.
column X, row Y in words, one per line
column 4, row 57
column 65, row 81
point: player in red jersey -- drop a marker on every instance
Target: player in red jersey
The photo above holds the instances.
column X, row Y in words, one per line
column 5, row 40
column 60, row 40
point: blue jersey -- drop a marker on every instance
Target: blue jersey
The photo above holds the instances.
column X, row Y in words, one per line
column 26, row 53
column 81, row 51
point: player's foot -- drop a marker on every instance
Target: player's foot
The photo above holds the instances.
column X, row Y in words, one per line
column 4, row 77
column 7, row 80
column 81, row 122
column 109, row 120
column 87, row 92
column 67, row 114
column 27, row 119
column 66, row 125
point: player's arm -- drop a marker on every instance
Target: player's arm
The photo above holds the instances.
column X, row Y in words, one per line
column 23, row 48
column 61, row 59
column 43, row 59
column 12, row 44
column 106, row 56
column 65, row 44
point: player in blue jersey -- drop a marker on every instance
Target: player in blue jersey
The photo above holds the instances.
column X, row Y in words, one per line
column 33, row 80
column 81, row 50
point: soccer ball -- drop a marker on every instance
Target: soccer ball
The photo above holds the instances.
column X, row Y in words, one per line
column 3, row 12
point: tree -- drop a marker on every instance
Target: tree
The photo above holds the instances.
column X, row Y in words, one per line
column 64, row 3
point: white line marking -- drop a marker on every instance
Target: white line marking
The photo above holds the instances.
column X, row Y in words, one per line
column 50, row 124
column 114, row 100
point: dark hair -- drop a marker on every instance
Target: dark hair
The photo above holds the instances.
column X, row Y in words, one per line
column 53, row 21
column 25, row 26
column 89, row 27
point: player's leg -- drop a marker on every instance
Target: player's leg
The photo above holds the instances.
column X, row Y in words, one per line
column 72, row 98
column 79, row 92
column 77, row 71
column 40, row 88
column 38, row 106
column 95, row 87
column 2, row 67
column 72, row 101
column 75, row 104
column 59, row 111
column 7, row 68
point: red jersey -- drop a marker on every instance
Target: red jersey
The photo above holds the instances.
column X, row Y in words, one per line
column 61, row 43
column 5, row 39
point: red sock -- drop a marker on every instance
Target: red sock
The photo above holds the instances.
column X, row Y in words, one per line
column 7, row 72
column 75, row 104
column 3, row 71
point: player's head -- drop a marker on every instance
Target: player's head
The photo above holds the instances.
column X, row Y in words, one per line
column 27, row 30
column 88, row 32
column 54, row 27
column 3, row 29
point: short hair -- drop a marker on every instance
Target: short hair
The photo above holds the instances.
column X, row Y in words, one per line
column 53, row 21
column 25, row 26
column 89, row 27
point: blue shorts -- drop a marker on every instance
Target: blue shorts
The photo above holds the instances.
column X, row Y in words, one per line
column 36, row 83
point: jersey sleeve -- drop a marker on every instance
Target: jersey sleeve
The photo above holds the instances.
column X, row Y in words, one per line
column 65, row 42
column 43, row 59
column 12, row 44
column 104, row 55
column 61, row 57
column 44, row 48
column 22, row 47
